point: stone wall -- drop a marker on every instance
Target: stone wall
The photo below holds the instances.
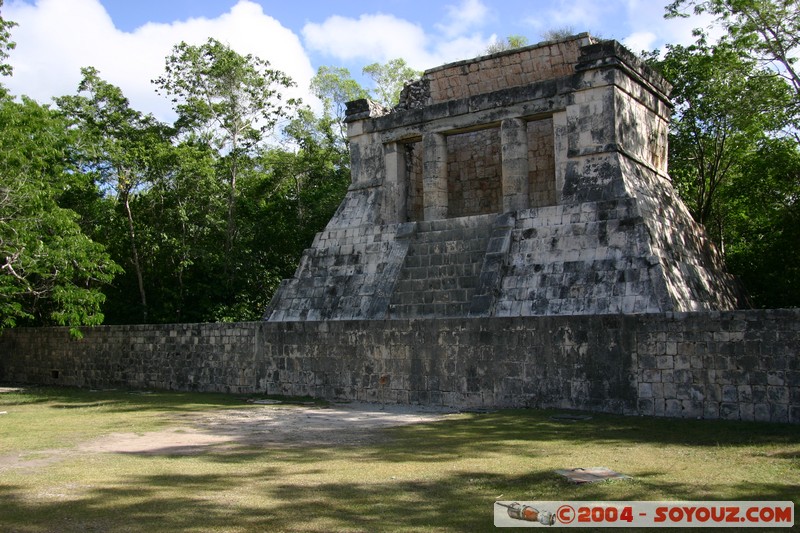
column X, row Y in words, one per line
column 473, row 173
column 541, row 163
column 731, row 365
column 534, row 64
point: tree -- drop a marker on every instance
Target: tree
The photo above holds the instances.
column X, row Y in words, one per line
column 763, row 224
column 228, row 101
column 297, row 191
column 184, row 213
column 389, row 79
column 768, row 30
column 734, row 151
column 334, row 86
column 122, row 148
column 6, row 44
column 725, row 105
column 556, row 34
column 511, row 42
column 50, row 271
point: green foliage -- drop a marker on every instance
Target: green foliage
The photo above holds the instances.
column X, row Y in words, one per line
column 511, row 42
column 389, row 79
column 6, row 44
column 206, row 216
column 768, row 30
column 122, row 149
column 762, row 228
column 51, row 272
column 297, row 191
column 226, row 99
column 725, row 105
column 229, row 102
column 734, row 155
column 334, row 86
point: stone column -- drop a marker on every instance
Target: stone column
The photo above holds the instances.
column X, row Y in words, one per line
column 396, row 184
column 514, row 151
column 560, row 151
column 434, row 176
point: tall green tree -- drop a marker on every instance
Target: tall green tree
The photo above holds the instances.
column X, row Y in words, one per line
column 298, row 191
column 725, row 107
column 334, row 86
column 734, row 151
column 763, row 223
column 122, row 149
column 6, row 44
column 389, row 79
column 50, row 271
column 767, row 30
column 228, row 101
column 185, row 212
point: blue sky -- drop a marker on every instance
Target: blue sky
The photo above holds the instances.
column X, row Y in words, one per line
column 127, row 40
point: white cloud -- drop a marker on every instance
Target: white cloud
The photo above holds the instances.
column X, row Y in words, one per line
column 55, row 38
column 381, row 37
column 649, row 29
column 463, row 17
column 373, row 37
column 639, row 41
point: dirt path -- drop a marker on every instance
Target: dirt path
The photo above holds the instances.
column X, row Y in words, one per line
column 295, row 426
column 268, row 426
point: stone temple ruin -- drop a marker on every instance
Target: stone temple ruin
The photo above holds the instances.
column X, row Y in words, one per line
column 511, row 238
column 528, row 182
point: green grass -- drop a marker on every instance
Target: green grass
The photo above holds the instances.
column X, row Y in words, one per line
column 441, row 476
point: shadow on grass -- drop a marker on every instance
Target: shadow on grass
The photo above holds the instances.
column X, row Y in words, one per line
column 262, row 501
column 486, row 431
column 124, row 400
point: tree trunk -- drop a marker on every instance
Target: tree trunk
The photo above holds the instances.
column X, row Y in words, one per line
column 135, row 255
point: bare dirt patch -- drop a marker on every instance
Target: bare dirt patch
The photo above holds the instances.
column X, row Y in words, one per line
column 258, row 426
column 343, row 424
column 295, row 426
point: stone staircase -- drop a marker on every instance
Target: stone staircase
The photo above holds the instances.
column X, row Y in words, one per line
column 442, row 268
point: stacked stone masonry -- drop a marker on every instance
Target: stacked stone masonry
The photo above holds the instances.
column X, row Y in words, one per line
column 739, row 365
column 557, row 150
column 499, row 71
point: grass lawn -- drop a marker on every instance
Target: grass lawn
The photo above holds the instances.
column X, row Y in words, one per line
column 436, row 476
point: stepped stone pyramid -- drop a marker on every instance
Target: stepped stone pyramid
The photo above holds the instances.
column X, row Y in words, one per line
column 528, row 182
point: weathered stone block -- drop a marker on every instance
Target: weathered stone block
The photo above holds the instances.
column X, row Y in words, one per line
column 729, row 411
column 711, row 410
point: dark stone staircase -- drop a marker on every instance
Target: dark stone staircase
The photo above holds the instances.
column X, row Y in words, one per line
column 442, row 268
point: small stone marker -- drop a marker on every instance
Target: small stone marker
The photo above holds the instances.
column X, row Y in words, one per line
column 590, row 475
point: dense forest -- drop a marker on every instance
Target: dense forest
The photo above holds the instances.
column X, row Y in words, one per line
column 108, row 215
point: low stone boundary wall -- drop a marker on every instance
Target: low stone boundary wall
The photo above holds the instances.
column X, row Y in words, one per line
column 731, row 365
